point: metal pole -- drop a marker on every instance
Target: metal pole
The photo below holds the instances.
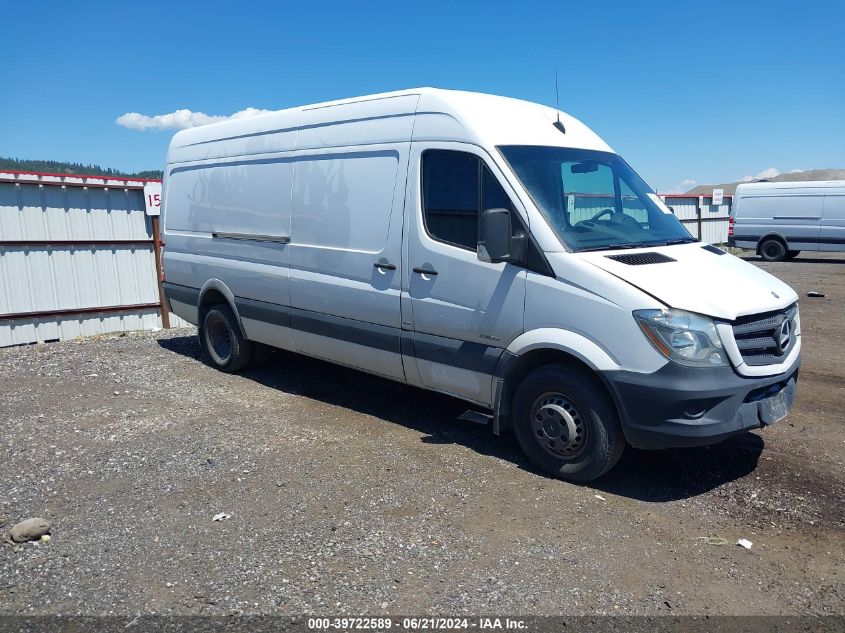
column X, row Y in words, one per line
column 698, row 216
column 165, row 314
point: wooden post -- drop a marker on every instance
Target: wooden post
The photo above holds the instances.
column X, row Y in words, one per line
column 165, row 314
column 698, row 217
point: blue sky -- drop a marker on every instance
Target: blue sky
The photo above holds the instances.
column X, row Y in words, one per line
column 684, row 91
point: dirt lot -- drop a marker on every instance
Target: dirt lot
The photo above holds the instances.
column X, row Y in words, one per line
column 350, row 494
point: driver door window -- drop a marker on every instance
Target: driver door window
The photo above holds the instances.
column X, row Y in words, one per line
column 457, row 187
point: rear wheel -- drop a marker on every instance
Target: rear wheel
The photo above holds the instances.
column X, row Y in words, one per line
column 566, row 424
column 792, row 254
column 772, row 250
column 222, row 339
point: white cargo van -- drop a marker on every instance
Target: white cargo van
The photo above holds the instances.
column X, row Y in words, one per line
column 479, row 246
column 781, row 219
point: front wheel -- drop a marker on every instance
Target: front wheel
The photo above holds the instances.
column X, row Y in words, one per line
column 566, row 424
column 222, row 339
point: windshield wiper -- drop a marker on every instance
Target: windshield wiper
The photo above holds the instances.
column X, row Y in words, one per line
column 612, row 247
column 680, row 240
column 672, row 242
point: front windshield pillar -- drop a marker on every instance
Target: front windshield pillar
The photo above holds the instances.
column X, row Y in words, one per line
column 617, row 191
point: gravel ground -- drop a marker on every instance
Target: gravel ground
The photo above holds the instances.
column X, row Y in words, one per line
column 350, row 494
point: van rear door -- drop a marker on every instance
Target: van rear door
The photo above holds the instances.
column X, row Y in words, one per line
column 832, row 236
column 463, row 311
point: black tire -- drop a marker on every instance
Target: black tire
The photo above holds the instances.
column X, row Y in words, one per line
column 545, row 434
column 222, row 340
column 772, row 249
column 792, row 254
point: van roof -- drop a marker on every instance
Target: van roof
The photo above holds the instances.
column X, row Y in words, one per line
column 445, row 115
column 751, row 187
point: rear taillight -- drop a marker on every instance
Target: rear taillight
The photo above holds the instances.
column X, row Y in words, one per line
column 730, row 227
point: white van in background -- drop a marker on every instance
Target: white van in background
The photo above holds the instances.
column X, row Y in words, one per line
column 484, row 247
column 781, row 219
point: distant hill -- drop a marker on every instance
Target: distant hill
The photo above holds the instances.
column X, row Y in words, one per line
column 59, row 167
column 796, row 176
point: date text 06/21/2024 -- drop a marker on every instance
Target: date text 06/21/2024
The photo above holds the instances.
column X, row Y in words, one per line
column 415, row 623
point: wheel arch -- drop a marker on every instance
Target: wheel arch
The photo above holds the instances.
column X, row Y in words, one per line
column 773, row 235
column 213, row 292
column 547, row 346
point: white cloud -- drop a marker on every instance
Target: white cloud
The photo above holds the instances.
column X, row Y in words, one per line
column 771, row 172
column 178, row 120
column 681, row 187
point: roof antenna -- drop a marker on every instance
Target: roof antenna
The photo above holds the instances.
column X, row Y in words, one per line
column 558, row 123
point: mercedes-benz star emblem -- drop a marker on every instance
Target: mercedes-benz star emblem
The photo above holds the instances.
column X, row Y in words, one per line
column 784, row 336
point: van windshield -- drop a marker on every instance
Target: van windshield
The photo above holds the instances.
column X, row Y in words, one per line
column 594, row 200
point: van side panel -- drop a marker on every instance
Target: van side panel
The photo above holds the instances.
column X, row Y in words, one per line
column 229, row 221
column 832, row 237
column 243, row 196
column 793, row 213
column 347, row 218
column 345, row 252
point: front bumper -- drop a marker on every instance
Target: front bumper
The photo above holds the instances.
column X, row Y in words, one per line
column 682, row 406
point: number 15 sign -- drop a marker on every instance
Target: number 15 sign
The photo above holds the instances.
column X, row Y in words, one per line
column 152, row 198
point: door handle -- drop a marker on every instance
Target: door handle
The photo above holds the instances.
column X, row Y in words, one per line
column 425, row 271
column 384, row 266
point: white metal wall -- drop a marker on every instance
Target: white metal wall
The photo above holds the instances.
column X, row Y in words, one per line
column 42, row 277
column 714, row 218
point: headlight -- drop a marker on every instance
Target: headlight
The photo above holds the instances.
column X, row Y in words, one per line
column 684, row 337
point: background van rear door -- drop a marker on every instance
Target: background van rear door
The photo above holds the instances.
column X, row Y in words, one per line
column 832, row 235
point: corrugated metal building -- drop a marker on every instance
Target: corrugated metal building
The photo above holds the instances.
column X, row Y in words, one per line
column 77, row 258
column 705, row 220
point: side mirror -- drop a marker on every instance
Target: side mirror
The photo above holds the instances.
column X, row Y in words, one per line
column 496, row 242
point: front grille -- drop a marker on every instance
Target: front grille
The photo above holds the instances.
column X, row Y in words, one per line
column 760, row 337
column 641, row 259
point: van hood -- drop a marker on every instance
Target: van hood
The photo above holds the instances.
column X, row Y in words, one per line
column 698, row 280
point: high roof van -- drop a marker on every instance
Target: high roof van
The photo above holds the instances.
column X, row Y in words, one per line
column 484, row 247
column 781, row 219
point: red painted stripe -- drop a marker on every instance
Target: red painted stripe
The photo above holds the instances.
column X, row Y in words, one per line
column 692, row 195
column 84, row 176
column 38, row 314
